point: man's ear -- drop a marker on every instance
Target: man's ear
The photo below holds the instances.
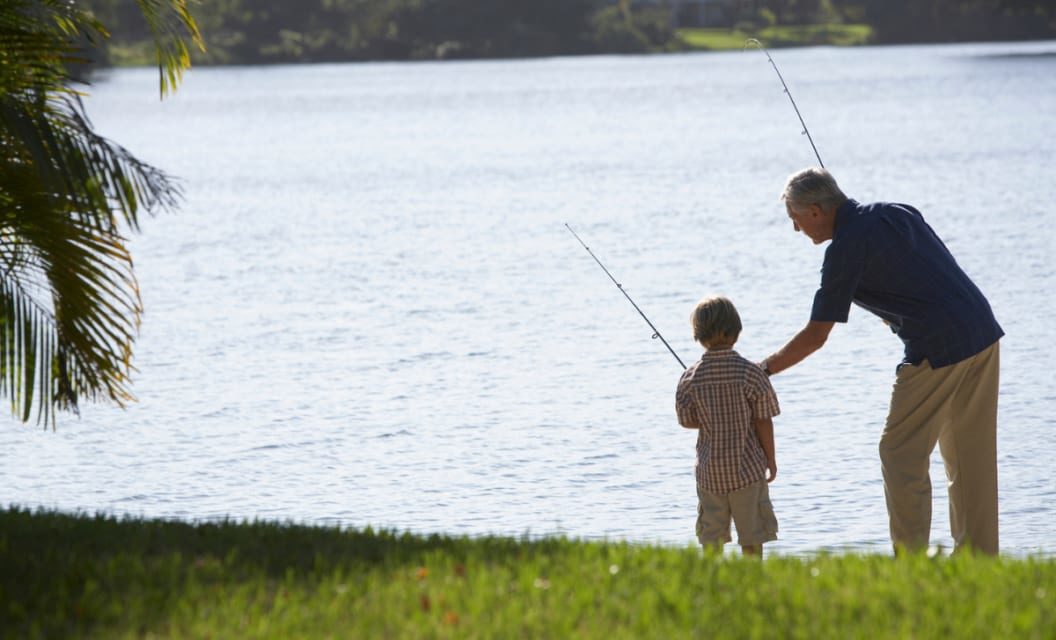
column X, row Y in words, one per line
column 816, row 210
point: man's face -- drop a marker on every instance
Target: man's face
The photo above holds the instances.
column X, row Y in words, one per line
column 811, row 220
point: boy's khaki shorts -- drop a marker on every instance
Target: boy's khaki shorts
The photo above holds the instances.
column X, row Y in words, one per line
column 750, row 509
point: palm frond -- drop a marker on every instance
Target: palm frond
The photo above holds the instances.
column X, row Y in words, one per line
column 171, row 25
column 69, row 300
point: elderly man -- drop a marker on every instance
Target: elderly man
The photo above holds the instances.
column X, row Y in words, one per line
column 886, row 259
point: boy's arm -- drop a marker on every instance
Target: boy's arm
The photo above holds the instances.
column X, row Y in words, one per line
column 764, row 429
column 686, row 409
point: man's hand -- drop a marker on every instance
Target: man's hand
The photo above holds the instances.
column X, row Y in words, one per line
column 809, row 339
column 771, row 470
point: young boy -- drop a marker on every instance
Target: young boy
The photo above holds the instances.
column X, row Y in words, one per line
column 730, row 401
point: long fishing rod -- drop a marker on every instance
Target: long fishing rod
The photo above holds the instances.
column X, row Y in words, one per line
column 789, row 94
column 656, row 333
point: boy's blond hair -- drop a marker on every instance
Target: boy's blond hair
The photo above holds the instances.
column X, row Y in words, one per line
column 713, row 318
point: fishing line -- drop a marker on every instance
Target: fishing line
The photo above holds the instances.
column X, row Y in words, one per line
column 751, row 41
column 656, row 333
column 806, row 132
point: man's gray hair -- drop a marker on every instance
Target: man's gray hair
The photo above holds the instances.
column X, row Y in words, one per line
column 813, row 185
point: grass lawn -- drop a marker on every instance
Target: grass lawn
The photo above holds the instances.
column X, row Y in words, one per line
column 69, row 576
column 778, row 36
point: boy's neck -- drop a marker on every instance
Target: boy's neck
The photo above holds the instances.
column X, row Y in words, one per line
column 725, row 346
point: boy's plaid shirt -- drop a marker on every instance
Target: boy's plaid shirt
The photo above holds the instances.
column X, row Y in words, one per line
column 720, row 395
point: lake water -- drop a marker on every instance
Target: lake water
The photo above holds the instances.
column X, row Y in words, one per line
column 369, row 312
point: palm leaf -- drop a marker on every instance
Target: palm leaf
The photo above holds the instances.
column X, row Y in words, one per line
column 69, row 300
column 172, row 25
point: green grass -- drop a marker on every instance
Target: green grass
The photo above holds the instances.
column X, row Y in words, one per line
column 778, row 36
column 67, row 576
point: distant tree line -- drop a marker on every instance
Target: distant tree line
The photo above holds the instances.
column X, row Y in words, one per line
column 901, row 21
column 279, row 31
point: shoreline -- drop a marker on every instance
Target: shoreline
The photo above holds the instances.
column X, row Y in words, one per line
column 124, row 517
column 199, row 64
column 65, row 576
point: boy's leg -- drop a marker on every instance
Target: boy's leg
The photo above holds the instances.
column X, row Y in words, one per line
column 920, row 403
column 969, row 450
column 713, row 547
column 713, row 519
column 754, row 516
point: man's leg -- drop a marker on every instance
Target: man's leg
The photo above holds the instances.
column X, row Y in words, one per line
column 920, row 403
column 969, row 449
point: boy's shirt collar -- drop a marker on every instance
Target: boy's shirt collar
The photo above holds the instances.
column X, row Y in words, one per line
column 719, row 353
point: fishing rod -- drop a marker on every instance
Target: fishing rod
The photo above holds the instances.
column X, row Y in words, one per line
column 750, row 41
column 656, row 332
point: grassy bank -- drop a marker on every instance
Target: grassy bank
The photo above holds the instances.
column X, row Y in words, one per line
column 779, row 36
column 68, row 576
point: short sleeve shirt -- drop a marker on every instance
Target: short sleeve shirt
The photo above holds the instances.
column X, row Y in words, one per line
column 886, row 259
column 721, row 395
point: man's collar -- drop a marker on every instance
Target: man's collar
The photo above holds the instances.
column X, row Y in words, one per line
column 843, row 212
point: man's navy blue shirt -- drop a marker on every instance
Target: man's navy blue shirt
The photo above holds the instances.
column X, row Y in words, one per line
column 887, row 260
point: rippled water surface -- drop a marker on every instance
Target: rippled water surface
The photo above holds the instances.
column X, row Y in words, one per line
column 368, row 310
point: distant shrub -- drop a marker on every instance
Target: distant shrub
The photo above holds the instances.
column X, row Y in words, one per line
column 612, row 32
column 765, row 18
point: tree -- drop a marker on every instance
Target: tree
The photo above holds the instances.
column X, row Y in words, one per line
column 69, row 299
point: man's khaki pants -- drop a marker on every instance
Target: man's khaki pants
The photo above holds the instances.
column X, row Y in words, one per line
column 955, row 406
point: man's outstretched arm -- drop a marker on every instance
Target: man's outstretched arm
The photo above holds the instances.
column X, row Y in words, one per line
column 807, row 341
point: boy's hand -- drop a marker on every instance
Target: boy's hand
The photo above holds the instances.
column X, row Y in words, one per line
column 764, row 430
